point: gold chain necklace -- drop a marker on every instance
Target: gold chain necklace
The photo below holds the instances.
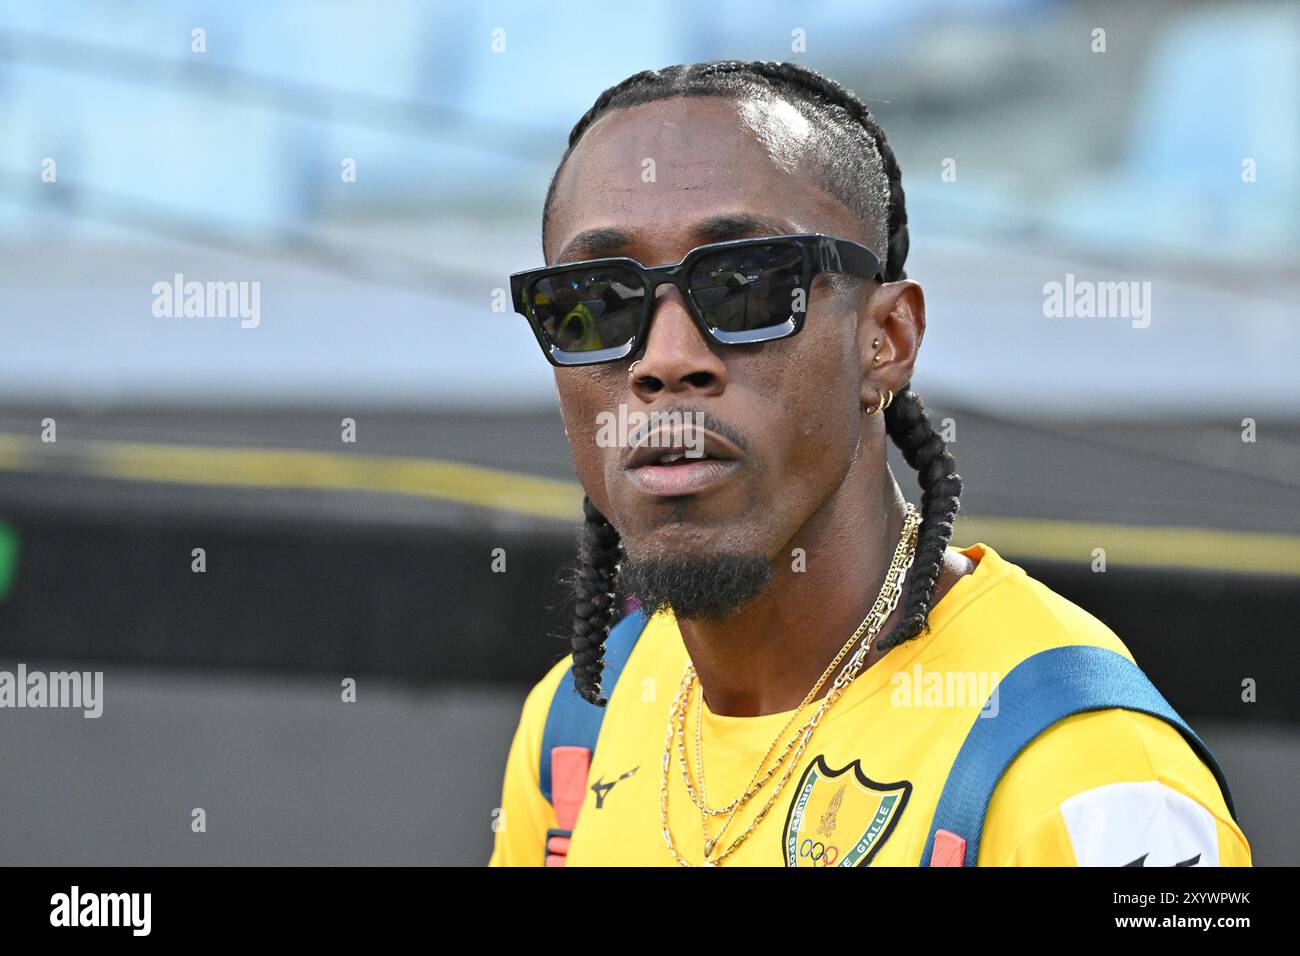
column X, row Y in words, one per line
column 880, row 605
column 886, row 602
column 878, row 610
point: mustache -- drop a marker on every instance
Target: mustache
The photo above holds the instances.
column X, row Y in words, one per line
column 709, row 422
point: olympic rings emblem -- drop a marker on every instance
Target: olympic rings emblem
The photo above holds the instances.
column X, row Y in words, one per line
column 819, row 853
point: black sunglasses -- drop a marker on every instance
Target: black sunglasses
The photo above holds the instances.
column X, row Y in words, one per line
column 739, row 293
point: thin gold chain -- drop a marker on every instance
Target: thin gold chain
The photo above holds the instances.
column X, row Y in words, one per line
column 700, row 801
column 890, row 588
column 875, row 615
column 886, row 602
column 841, row 683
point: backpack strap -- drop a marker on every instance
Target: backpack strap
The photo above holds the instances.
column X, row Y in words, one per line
column 569, row 737
column 1041, row 690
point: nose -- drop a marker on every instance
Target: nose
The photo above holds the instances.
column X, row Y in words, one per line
column 678, row 361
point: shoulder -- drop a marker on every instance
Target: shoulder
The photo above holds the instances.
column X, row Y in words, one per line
column 997, row 615
column 1111, row 788
column 628, row 631
column 525, row 814
column 1093, row 786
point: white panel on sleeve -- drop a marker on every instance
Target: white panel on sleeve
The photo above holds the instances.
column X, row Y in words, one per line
column 1140, row 824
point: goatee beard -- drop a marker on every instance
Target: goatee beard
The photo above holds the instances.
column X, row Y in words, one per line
column 696, row 586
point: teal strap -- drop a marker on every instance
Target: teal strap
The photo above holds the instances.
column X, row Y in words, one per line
column 1041, row 690
column 572, row 721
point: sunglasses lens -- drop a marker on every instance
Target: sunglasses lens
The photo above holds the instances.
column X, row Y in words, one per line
column 749, row 290
column 587, row 310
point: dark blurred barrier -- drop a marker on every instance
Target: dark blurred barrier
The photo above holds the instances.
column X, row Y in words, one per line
column 423, row 605
column 412, row 605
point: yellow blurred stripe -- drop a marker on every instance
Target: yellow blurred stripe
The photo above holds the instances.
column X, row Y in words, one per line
column 11, row 456
column 1022, row 538
column 1136, row 545
column 297, row 468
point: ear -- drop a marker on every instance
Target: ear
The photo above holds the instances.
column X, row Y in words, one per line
column 891, row 324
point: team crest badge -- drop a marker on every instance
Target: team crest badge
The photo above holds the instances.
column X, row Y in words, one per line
column 840, row 817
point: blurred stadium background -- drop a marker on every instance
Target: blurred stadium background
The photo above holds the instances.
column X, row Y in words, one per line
column 371, row 560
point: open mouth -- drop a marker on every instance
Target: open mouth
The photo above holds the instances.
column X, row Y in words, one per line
column 672, row 458
column 676, row 470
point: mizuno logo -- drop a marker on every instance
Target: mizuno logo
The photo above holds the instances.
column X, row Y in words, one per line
column 1190, row 861
column 602, row 789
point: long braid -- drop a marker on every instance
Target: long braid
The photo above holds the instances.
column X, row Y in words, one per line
column 908, row 425
column 593, row 606
column 906, row 420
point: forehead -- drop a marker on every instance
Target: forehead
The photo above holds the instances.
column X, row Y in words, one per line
column 654, row 173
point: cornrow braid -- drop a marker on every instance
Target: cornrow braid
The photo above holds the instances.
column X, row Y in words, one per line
column 908, row 425
column 594, row 600
column 856, row 183
column 831, row 93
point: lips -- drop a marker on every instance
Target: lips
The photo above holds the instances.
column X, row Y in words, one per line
column 665, row 442
column 662, row 466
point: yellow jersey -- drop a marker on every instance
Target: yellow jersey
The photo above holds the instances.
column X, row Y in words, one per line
column 1109, row 787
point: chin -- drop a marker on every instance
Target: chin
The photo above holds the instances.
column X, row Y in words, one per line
column 682, row 538
column 691, row 524
column 700, row 586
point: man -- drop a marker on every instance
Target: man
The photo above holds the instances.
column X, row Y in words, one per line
column 774, row 702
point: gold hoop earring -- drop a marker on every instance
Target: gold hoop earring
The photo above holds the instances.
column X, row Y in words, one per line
column 883, row 400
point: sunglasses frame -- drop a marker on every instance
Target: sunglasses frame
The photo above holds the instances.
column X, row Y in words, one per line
column 820, row 254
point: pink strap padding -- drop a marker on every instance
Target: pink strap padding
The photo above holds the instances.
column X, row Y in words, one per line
column 569, row 766
column 949, row 849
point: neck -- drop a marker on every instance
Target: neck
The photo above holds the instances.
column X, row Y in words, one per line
column 765, row 658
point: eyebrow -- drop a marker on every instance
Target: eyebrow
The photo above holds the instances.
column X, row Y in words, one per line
column 604, row 242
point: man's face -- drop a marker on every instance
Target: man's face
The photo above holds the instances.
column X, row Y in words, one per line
column 792, row 406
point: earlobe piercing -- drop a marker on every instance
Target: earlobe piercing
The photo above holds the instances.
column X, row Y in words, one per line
column 883, row 401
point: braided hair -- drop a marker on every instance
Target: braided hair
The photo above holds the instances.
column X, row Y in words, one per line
column 853, row 157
